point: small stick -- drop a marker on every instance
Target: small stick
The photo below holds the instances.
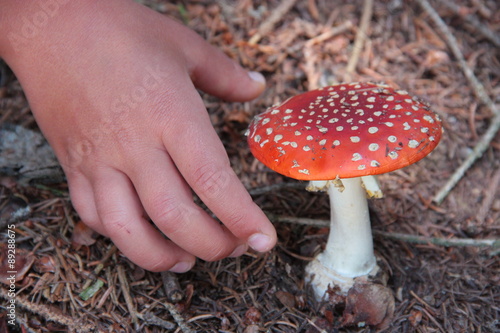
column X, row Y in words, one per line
column 126, row 293
column 447, row 242
column 480, row 93
column 151, row 319
column 269, row 23
column 361, row 35
column 178, row 318
column 173, row 290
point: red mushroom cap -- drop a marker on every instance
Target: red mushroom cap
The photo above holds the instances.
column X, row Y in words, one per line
column 346, row 130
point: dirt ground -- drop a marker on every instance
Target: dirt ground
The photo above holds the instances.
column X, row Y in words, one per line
column 437, row 288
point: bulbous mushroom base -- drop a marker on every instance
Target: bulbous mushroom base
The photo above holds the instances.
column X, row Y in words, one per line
column 321, row 277
column 366, row 299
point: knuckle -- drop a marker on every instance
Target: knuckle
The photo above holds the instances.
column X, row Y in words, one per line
column 115, row 222
column 211, row 180
column 165, row 209
column 236, row 220
column 216, row 253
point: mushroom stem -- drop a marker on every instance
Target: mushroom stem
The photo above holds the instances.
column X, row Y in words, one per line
column 349, row 250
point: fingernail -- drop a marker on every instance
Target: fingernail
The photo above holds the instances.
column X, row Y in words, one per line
column 238, row 251
column 257, row 77
column 182, row 267
column 260, row 242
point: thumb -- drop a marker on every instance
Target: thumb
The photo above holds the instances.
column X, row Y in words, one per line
column 215, row 73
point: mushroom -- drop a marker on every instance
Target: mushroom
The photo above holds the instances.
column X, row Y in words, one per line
column 337, row 137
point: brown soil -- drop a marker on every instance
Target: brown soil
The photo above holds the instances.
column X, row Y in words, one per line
column 437, row 288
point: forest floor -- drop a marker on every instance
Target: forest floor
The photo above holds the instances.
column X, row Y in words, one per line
column 439, row 286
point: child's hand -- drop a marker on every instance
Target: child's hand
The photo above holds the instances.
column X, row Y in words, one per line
column 112, row 85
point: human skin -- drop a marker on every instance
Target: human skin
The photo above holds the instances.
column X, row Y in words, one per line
column 112, row 85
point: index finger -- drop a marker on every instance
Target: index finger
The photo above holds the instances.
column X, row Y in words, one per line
column 201, row 159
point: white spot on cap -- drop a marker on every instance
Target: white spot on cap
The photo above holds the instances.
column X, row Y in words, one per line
column 323, row 129
column 287, row 117
column 322, row 142
column 371, row 99
column 373, row 147
column 406, row 126
column 339, row 128
column 269, row 131
column 355, row 139
column 389, row 124
column 429, row 119
column 361, row 167
column 413, row 144
column 377, row 113
column 288, row 111
column 264, row 142
column 374, row 164
column 297, row 133
column 293, row 144
column 373, row 130
column 304, row 171
column 306, row 148
column 354, row 128
column 295, row 164
column 390, row 98
column 278, row 137
column 431, row 138
column 265, row 121
column 286, row 143
column 275, row 111
column 336, row 143
column 393, row 155
column 310, row 138
column 424, row 129
column 398, row 107
column 392, row 138
column 257, row 138
column 356, row 157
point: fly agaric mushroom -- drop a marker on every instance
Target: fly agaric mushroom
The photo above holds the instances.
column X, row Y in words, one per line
column 333, row 136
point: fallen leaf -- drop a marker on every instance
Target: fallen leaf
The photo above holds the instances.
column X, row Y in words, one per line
column 82, row 235
column 45, row 264
column 285, row 298
column 18, row 262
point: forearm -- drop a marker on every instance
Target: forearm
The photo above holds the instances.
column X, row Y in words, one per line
column 30, row 27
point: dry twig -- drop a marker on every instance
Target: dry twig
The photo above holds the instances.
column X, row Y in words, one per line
column 361, row 36
column 268, row 24
column 480, row 93
column 447, row 242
